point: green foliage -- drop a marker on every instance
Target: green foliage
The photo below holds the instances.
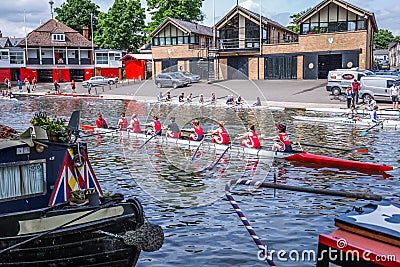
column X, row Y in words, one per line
column 77, row 14
column 293, row 25
column 382, row 39
column 188, row 10
column 122, row 26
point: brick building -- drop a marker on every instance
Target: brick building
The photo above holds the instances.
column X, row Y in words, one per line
column 334, row 34
column 54, row 51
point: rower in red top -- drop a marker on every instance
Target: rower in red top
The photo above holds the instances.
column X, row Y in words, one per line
column 122, row 122
column 283, row 142
column 252, row 140
column 156, row 124
column 100, row 122
column 221, row 134
column 197, row 130
column 135, row 124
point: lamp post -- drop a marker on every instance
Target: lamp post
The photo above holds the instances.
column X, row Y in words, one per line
column 51, row 2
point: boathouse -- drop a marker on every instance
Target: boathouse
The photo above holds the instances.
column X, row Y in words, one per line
column 245, row 45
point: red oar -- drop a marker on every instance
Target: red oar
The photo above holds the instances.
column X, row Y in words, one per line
column 356, row 150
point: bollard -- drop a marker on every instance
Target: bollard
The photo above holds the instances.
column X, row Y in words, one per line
column 102, row 88
column 96, row 90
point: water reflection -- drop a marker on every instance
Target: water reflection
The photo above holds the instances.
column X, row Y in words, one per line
column 201, row 227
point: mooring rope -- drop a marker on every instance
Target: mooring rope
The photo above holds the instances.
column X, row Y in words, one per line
column 243, row 218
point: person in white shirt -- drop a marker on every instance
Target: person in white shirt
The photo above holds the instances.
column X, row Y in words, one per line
column 394, row 95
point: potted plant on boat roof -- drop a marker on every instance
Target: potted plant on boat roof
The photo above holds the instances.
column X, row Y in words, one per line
column 38, row 121
column 56, row 130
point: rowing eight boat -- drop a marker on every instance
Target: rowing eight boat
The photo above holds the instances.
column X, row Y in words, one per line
column 365, row 122
column 298, row 156
column 383, row 112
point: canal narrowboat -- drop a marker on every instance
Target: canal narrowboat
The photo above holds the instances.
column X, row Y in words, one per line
column 53, row 211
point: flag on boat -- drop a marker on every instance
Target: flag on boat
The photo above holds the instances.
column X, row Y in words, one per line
column 72, row 177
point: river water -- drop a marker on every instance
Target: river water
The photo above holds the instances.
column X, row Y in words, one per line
column 188, row 200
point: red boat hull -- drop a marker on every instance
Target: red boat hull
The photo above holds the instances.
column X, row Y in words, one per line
column 75, row 95
column 336, row 162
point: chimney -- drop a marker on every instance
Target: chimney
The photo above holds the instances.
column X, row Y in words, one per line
column 1, row 34
column 85, row 32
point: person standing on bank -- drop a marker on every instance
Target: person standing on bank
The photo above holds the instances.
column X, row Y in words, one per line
column 34, row 83
column 20, row 85
column 73, row 87
column 356, row 87
column 394, row 95
column 349, row 95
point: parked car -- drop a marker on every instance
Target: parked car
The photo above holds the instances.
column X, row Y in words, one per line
column 194, row 78
column 340, row 79
column 387, row 72
column 171, row 79
column 377, row 86
column 100, row 80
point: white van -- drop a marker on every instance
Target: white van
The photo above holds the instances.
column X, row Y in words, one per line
column 377, row 86
column 340, row 79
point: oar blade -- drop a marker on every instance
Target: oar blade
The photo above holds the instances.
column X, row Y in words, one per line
column 360, row 150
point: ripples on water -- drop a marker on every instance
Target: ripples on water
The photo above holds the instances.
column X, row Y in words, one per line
column 200, row 225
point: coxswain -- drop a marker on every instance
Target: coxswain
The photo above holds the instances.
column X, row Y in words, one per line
column 122, row 122
column 173, row 130
column 181, row 97
column 374, row 115
column 282, row 140
column 213, row 98
column 197, row 130
column 156, row 124
column 251, row 137
column 100, row 122
column 239, row 101
column 221, row 135
column 135, row 124
column 230, row 100
column 353, row 114
column 168, row 97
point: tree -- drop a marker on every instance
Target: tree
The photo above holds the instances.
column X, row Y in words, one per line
column 77, row 14
column 122, row 26
column 293, row 25
column 382, row 39
column 188, row 10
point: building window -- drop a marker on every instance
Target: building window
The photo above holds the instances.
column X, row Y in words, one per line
column 101, row 58
column 167, row 40
column 360, row 25
column 180, row 39
column 16, row 57
column 323, row 27
column 4, row 55
column 351, row 26
column 58, row 37
column 305, row 28
column 162, row 41
column 332, row 26
column 342, row 26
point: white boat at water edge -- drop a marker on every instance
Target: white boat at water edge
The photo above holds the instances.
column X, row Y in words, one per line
column 392, row 124
column 361, row 111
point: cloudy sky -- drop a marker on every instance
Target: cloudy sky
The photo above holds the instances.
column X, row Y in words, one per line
column 13, row 12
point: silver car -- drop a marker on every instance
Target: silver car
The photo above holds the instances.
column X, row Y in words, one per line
column 171, row 79
column 99, row 80
column 194, row 78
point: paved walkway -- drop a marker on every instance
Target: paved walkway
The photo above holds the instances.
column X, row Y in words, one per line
column 276, row 93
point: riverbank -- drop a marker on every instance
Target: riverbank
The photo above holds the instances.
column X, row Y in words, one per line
column 273, row 93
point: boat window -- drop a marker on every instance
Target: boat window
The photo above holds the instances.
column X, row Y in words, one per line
column 22, row 179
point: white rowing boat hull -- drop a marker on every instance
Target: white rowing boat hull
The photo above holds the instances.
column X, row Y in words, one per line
column 386, row 123
column 194, row 144
column 360, row 111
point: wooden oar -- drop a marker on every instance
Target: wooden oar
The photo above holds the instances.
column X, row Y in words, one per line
column 151, row 137
column 198, row 147
column 223, row 153
column 372, row 127
column 356, row 150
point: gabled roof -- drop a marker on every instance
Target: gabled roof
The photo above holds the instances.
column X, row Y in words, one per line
column 15, row 41
column 185, row 26
column 5, row 42
column 41, row 36
column 255, row 16
column 344, row 4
